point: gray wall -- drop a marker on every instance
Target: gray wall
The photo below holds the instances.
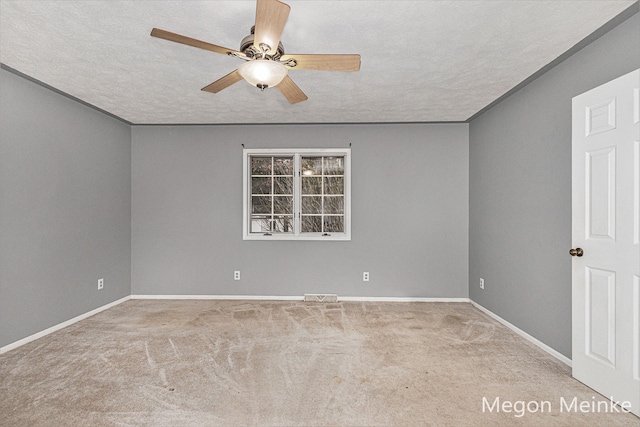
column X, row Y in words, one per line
column 520, row 190
column 409, row 213
column 65, row 208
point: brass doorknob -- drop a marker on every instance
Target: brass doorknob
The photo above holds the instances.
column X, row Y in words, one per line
column 576, row 252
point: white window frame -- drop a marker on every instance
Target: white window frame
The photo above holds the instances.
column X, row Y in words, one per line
column 297, row 193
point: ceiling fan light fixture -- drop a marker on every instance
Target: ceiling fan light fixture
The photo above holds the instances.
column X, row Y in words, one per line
column 265, row 66
column 263, row 73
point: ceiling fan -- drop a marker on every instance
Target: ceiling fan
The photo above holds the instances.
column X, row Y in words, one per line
column 266, row 64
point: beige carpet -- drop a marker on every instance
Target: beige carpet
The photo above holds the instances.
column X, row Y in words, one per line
column 232, row 363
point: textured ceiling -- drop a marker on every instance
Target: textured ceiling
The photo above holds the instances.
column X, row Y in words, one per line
column 421, row 60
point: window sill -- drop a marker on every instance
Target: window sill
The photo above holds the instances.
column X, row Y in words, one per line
column 317, row 237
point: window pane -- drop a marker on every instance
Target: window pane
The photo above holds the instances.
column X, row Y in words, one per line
column 261, row 204
column 311, row 204
column 290, row 193
column 311, row 224
column 334, row 185
column 283, row 205
column 260, row 165
column 260, row 224
column 334, row 165
column 261, row 185
column 333, row 205
column 311, row 185
column 311, row 166
column 282, row 184
column 283, row 165
column 333, row 224
column 283, row 224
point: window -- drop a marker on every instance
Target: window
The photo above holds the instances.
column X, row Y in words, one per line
column 297, row 194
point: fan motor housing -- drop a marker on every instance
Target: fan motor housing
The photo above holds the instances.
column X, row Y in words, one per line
column 246, row 46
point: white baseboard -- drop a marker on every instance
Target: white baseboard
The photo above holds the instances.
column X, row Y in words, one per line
column 59, row 326
column 222, row 297
column 401, row 299
column 297, row 298
column 564, row 359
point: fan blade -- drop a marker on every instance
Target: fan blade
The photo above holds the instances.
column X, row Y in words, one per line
column 271, row 15
column 291, row 91
column 162, row 34
column 224, row 82
column 324, row 62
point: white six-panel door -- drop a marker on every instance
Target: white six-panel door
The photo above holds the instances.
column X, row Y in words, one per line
column 606, row 226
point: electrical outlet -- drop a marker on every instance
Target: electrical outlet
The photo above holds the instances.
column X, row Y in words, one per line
column 365, row 276
column 236, row 275
column 481, row 283
column 100, row 284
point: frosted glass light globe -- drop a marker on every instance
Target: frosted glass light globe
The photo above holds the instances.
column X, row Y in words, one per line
column 263, row 73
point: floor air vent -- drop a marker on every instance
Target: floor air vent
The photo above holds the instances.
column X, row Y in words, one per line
column 321, row 297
